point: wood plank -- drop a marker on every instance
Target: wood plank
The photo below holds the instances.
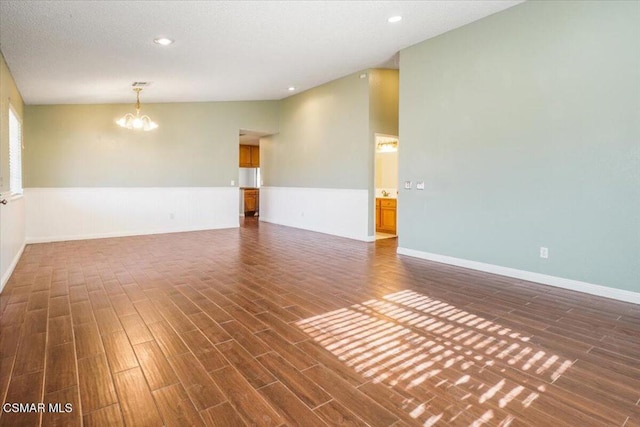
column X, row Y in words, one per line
column 9, row 339
column 201, row 389
column 107, row 320
column 289, row 406
column 119, row 352
column 330, row 361
column 59, row 306
column 81, row 312
column 148, row 311
column 291, row 352
column 176, row 408
column 30, row 356
column 35, row 322
column 349, row 396
column 23, row 389
column 249, row 404
column 214, row 332
column 288, row 332
column 222, row 415
column 107, row 416
column 6, row 365
column 204, row 351
column 249, row 367
column 245, row 338
column 135, row 328
column 60, row 331
column 136, row 402
column 155, row 366
column 38, row 300
column 334, row 413
column 306, row 390
column 96, row 386
column 61, row 368
column 67, row 415
column 169, row 342
column 88, row 340
column 122, row 305
column 252, row 323
column 77, row 294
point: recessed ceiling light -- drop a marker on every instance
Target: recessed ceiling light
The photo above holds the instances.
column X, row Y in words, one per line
column 163, row 41
column 291, row 88
column 393, row 19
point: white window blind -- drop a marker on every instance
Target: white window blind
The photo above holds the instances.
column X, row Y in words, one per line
column 15, row 153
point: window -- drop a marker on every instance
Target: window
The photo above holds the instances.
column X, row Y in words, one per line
column 15, row 153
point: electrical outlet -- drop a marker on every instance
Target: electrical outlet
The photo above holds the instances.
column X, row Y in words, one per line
column 233, row 182
column 407, row 185
column 544, row 252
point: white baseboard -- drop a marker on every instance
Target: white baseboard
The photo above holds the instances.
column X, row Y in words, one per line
column 58, row 214
column 560, row 282
column 12, row 266
column 335, row 211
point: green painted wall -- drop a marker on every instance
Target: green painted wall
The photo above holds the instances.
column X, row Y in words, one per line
column 323, row 139
column 8, row 95
column 196, row 144
column 525, row 127
column 383, row 101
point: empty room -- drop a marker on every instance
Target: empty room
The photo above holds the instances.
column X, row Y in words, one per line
column 384, row 213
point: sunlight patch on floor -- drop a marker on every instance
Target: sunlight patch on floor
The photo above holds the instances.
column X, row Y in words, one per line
column 417, row 344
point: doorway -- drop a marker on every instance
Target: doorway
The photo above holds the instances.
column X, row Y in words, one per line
column 249, row 179
column 386, row 186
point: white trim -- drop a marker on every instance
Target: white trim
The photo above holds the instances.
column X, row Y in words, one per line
column 337, row 211
column 12, row 267
column 560, row 282
column 60, row 214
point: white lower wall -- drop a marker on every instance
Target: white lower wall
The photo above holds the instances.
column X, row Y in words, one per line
column 55, row 214
column 12, row 236
column 560, row 282
column 341, row 212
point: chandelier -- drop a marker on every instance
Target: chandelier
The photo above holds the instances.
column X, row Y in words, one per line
column 137, row 122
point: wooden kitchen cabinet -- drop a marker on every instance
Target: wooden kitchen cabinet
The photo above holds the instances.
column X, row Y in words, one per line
column 251, row 202
column 249, row 156
column 386, row 215
column 255, row 156
column 245, row 156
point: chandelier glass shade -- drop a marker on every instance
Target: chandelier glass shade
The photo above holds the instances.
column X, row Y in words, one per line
column 136, row 121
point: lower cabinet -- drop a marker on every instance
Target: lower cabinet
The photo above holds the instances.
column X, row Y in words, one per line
column 386, row 215
column 251, row 202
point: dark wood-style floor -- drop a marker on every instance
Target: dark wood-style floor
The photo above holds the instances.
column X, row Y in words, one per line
column 271, row 325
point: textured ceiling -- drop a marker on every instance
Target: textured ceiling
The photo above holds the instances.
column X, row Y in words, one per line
column 63, row 52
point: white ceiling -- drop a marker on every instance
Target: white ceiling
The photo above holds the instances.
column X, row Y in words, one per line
column 77, row 52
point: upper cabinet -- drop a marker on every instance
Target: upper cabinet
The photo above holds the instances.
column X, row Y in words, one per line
column 255, row 156
column 249, row 156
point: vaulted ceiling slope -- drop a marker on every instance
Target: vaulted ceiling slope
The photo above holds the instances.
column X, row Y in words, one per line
column 77, row 52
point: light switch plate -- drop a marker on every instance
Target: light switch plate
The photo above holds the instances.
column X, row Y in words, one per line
column 407, row 185
column 420, row 185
